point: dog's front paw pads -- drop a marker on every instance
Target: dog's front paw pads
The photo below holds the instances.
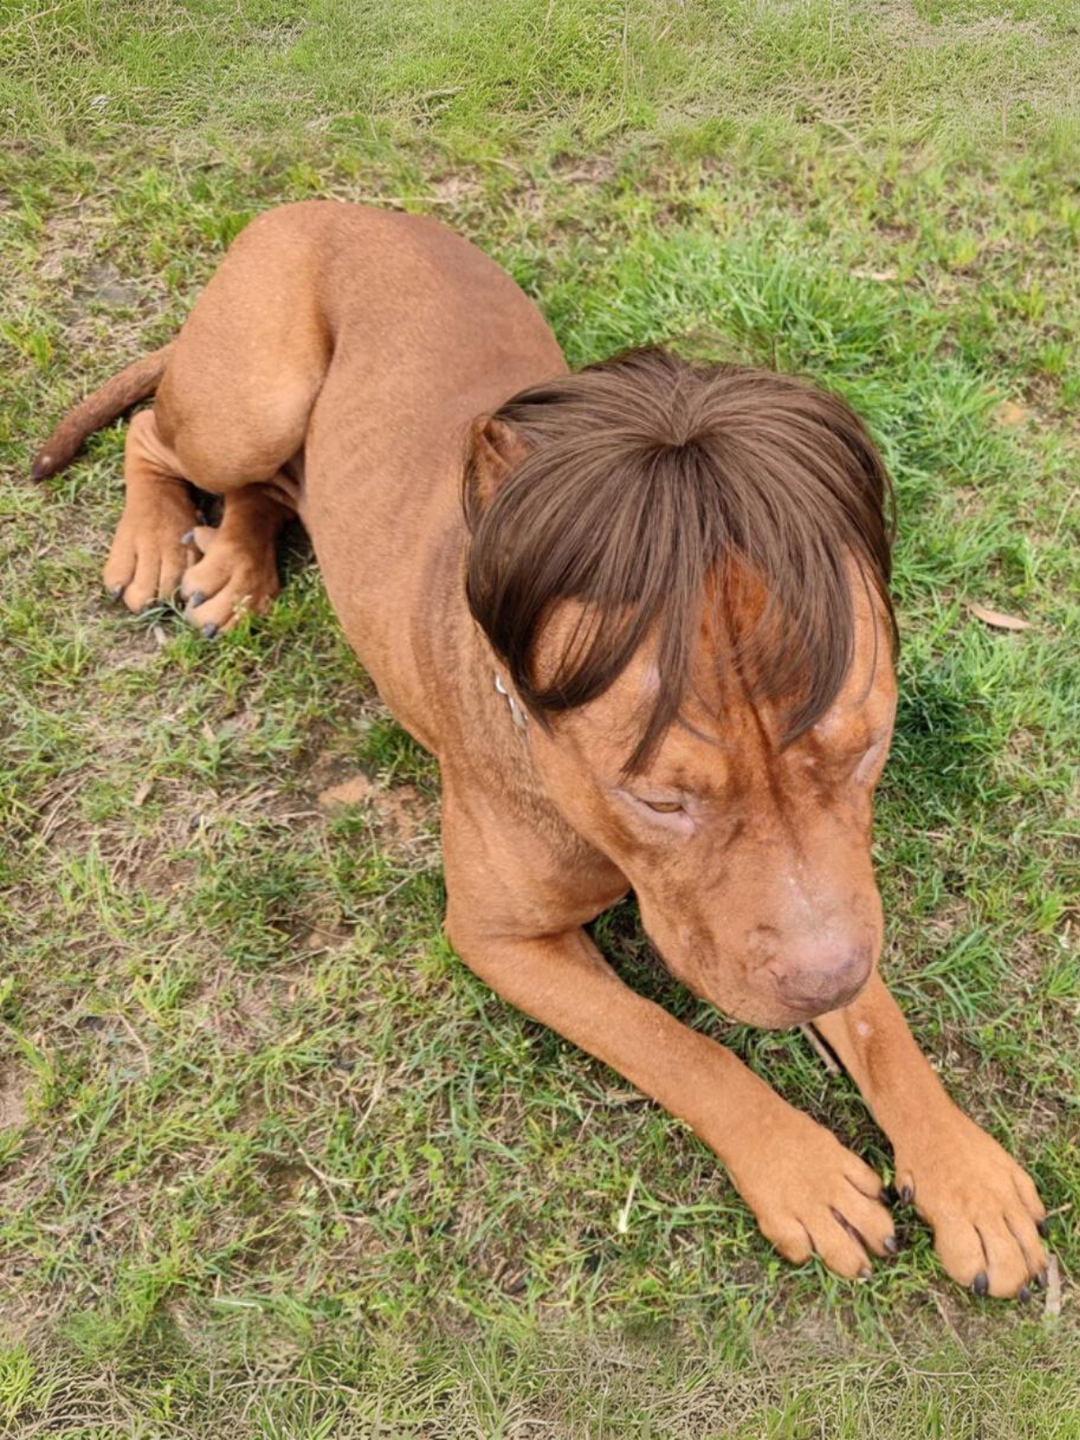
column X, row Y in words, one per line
column 811, row 1196
column 987, row 1218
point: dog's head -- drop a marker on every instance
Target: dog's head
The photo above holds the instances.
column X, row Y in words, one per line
column 683, row 574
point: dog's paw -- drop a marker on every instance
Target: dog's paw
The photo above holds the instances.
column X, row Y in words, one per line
column 148, row 556
column 984, row 1209
column 811, row 1196
column 234, row 577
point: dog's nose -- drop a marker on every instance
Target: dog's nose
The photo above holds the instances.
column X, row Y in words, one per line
column 818, row 985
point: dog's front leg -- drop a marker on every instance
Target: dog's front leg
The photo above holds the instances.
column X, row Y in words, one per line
column 985, row 1212
column 808, row 1193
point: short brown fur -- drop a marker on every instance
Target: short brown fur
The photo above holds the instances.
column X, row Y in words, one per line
column 683, row 566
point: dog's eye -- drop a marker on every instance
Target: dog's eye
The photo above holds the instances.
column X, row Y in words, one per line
column 678, row 818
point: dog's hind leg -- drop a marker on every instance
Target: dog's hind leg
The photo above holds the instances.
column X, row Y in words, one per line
column 160, row 538
column 148, row 555
column 238, row 573
column 230, row 416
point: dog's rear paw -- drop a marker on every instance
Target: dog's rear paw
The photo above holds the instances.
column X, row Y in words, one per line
column 235, row 577
column 148, row 556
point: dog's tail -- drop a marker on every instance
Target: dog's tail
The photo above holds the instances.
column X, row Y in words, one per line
column 133, row 383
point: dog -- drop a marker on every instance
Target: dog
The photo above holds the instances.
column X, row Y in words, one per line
column 640, row 615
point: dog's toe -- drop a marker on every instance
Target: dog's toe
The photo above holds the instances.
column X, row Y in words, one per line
column 226, row 584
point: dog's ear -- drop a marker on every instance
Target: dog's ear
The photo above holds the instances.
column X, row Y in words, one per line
column 494, row 450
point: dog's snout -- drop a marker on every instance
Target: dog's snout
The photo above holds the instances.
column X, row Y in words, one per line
column 819, row 984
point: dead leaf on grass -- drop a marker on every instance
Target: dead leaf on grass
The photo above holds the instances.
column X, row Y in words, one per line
column 1053, row 1286
column 997, row 618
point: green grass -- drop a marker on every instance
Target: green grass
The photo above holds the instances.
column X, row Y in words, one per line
column 272, row 1162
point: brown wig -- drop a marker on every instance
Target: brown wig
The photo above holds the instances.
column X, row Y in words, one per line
column 638, row 483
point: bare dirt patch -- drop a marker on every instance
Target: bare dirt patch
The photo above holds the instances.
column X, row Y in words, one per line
column 13, row 1091
column 400, row 811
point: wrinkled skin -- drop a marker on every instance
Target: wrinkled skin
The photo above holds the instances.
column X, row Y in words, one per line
column 334, row 367
column 758, row 890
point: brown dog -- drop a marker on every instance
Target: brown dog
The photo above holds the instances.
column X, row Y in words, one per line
column 655, row 652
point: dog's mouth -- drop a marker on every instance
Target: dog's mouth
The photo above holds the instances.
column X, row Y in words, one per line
column 811, row 1008
column 766, row 1011
column 765, row 995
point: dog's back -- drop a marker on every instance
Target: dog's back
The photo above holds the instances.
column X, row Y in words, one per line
column 332, row 366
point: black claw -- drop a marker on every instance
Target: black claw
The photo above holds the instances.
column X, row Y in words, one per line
column 907, row 1194
column 1043, row 1227
column 866, row 1273
column 196, row 600
column 892, row 1245
column 210, row 631
column 116, row 592
column 1023, row 1295
column 1042, row 1279
column 980, row 1284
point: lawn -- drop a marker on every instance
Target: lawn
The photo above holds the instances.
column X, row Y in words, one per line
column 272, row 1162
